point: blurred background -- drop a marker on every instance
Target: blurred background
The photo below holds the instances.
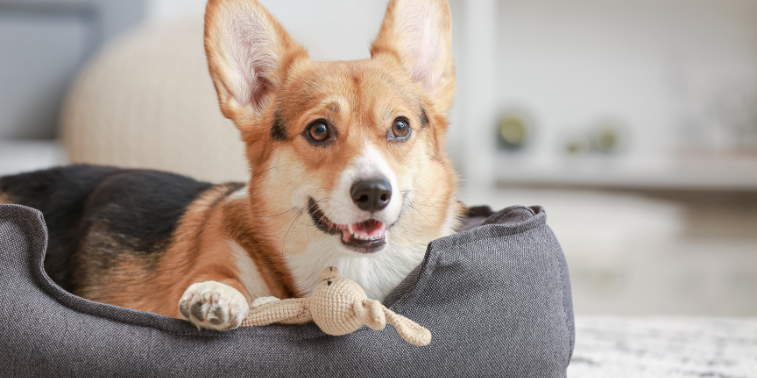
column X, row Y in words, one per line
column 633, row 122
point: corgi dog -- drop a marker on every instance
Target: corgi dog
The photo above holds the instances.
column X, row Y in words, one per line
column 348, row 169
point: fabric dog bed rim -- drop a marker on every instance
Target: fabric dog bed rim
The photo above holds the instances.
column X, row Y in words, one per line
column 182, row 328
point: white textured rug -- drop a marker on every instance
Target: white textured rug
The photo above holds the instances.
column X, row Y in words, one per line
column 665, row 347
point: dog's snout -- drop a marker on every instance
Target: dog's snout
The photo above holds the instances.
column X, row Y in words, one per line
column 371, row 195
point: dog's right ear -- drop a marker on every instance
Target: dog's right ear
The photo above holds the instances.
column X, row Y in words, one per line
column 248, row 53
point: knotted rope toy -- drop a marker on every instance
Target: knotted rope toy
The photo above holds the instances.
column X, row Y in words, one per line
column 338, row 306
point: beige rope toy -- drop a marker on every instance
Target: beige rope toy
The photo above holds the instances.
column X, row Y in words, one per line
column 338, row 306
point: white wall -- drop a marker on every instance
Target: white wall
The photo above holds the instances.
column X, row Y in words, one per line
column 659, row 65
column 328, row 29
column 166, row 10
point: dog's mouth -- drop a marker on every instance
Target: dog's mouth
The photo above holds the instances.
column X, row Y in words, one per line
column 364, row 237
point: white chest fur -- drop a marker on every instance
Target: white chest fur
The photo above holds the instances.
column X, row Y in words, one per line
column 377, row 273
column 249, row 275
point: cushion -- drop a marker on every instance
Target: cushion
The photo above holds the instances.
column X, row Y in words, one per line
column 496, row 298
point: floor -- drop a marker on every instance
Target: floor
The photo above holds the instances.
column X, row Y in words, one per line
column 650, row 253
column 664, row 347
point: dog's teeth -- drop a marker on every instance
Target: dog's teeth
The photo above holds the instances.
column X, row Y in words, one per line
column 350, row 227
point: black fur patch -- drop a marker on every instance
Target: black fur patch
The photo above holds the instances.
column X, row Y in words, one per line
column 424, row 117
column 278, row 129
column 196, row 311
column 141, row 208
column 218, row 316
column 184, row 309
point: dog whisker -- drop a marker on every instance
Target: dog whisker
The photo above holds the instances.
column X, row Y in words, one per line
column 316, row 203
column 279, row 214
column 405, row 192
column 257, row 174
column 434, row 157
column 297, row 217
column 412, row 206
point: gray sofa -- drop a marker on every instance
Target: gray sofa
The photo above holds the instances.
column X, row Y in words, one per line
column 496, row 298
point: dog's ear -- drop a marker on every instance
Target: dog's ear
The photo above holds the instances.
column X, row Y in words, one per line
column 419, row 34
column 371, row 313
column 248, row 53
column 411, row 331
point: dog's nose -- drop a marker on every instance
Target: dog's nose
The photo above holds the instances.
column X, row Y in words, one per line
column 371, row 195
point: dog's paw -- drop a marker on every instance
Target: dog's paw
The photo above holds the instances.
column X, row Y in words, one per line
column 213, row 305
column 259, row 301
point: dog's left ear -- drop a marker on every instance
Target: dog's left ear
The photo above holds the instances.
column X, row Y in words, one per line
column 419, row 34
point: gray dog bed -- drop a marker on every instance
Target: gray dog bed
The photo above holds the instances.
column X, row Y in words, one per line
column 496, row 298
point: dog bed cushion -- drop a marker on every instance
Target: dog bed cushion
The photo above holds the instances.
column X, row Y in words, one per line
column 496, row 298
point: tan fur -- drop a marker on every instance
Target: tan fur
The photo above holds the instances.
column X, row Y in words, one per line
column 238, row 225
column 361, row 98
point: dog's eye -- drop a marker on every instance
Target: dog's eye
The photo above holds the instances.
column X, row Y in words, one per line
column 401, row 128
column 318, row 130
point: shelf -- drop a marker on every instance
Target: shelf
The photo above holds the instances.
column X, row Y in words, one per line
column 735, row 175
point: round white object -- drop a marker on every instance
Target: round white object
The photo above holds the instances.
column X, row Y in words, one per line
column 147, row 101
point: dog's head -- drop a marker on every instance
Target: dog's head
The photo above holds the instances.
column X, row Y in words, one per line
column 353, row 152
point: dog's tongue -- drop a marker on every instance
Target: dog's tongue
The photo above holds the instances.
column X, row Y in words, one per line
column 370, row 229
